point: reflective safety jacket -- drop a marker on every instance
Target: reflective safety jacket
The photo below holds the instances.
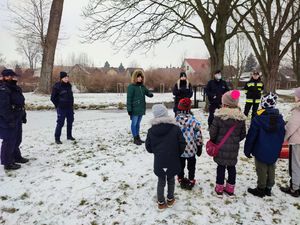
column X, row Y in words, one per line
column 253, row 90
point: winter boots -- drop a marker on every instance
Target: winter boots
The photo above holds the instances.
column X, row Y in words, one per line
column 229, row 189
column 161, row 206
column 186, row 183
column 290, row 191
column 140, row 139
column 170, row 202
column 257, row 192
column 57, row 141
column 137, row 141
column 12, row 166
column 219, row 190
column 71, row 138
column 22, row 160
column 268, row 191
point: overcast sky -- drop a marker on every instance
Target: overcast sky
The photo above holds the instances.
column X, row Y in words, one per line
column 162, row 56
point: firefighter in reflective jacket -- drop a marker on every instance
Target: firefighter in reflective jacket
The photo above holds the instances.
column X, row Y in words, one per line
column 253, row 90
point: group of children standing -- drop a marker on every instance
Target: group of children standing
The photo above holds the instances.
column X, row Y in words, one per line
column 175, row 142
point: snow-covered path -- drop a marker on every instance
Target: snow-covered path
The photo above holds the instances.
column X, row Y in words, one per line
column 103, row 178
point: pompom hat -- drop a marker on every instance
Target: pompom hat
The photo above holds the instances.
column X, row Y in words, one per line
column 184, row 104
column 231, row 98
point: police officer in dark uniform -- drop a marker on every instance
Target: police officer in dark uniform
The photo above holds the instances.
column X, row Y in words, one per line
column 214, row 90
column 63, row 100
column 12, row 115
column 253, row 90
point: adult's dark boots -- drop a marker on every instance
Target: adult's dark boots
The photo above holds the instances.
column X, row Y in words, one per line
column 137, row 141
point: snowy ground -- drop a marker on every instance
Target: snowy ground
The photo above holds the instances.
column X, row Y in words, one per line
column 88, row 100
column 103, row 178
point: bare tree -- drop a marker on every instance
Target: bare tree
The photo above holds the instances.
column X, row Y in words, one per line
column 295, row 47
column 50, row 46
column 32, row 51
column 30, row 19
column 144, row 23
column 237, row 50
column 265, row 27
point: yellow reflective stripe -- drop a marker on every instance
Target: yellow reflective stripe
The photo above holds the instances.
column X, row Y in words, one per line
column 252, row 100
column 260, row 84
column 259, row 112
column 246, row 91
column 250, row 84
column 259, row 89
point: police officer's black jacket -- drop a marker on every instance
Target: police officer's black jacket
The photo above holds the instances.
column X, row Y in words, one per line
column 12, row 104
column 62, row 95
column 253, row 89
column 214, row 90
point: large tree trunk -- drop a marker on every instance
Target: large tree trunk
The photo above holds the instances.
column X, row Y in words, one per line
column 217, row 58
column 272, row 75
column 50, row 47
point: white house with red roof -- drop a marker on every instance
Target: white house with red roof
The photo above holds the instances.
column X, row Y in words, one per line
column 196, row 66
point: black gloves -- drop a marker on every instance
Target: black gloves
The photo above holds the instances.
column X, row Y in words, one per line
column 248, row 156
column 24, row 118
column 130, row 114
column 199, row 150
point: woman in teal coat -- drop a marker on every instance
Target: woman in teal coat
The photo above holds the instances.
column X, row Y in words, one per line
column 136, row 103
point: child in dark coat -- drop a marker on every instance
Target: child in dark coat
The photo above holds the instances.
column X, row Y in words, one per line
column 228, row 116
column 191, row 130
column 165, row 141
column 264, row 141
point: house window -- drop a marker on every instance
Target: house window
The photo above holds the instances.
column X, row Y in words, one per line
column 187, row 68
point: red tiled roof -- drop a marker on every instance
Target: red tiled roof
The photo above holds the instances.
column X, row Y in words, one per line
column 198, row 65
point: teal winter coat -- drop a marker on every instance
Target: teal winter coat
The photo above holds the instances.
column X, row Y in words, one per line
column 136, row 103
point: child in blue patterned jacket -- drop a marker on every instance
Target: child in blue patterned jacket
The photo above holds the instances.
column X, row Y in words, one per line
column 191, row 130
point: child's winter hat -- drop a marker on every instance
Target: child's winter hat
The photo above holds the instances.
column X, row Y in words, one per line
column 159, row 110
column 269, row 100
column 297, row 92
column 63, row 74
column 185, row 104
column 231, row 98
column 8, row 72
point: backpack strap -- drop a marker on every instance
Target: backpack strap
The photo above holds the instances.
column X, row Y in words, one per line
column 224, row 139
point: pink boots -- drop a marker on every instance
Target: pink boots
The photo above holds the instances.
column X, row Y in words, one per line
column 229, row 189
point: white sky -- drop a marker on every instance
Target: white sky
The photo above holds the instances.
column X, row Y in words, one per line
column 162, row 56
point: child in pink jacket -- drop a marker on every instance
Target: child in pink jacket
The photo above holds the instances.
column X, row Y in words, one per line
column 292, row 135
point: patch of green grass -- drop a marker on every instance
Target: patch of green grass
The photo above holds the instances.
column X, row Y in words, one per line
column 3, row 198
column 24, row 196
column 9, row 210
column 297, row 205
column 83, row 202
column 81, row 174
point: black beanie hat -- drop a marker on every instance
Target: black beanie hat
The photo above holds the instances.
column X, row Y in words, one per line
column 8, row 72
column 217, row 71
column 63, row 74
column 182, row 74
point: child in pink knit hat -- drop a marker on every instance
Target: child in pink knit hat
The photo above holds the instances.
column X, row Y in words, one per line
column 229, row 116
